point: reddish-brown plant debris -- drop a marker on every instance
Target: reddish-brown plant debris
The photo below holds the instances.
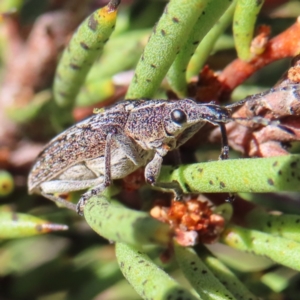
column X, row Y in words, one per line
column 207, row 87
column 134, row 181
column 193, row 221
column 293, row 74
column 280, row 103
column 251, row 139
column 286, row 44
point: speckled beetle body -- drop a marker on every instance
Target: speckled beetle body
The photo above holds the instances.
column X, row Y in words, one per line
column 115, row 142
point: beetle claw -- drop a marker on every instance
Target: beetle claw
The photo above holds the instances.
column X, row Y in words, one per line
column 80, row 206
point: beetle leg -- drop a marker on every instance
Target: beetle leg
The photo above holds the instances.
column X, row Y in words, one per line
column 225, row 154
column 176, row 157
column 225, row 148
column 60, row 200
column 152, row 171
column 126, row 144
column 171, row 186
column 107, row 177
column 64, row 186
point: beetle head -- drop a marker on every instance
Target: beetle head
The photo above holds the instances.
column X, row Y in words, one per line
column 182, row 114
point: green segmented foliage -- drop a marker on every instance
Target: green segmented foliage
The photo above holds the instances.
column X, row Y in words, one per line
column 167, row 38
column 134, row 227
column 228, row 278
column 6, row 183
column 129, row 44
column 281, row 250
column 16, row 225
column 200, row 277
column 106, row 275
column 93, row 92
column 149, row 281
column 204, row 49
column 285, row 225
column 85, row 46
column 99, row 84
column 279, row 279
column 260, row 175
column 211, row 13
column 243, row 25
column 31, row 110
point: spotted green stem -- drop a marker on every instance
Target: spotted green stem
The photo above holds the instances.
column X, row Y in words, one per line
column 284, row 225
column 224, row 274
column 210, row 15
column 243, row 25
column 206, row 46
column 120, row 224
column 200, row 277
column 166, row 40
column 259, row 175
column 149, row 281
column 85, row 46
column 17, row 225
column 99, row 84
column 281, row 250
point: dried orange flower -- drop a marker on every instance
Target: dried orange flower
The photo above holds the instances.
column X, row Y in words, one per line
column 193, row 221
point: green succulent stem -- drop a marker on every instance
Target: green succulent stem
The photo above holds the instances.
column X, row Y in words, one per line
column 206, row 46
column 224, row 274
column 281, row 250
column 148, row 279
column 243, row 25
column 17, row 225
column 85, row 46
column 120, row 224
column 199, row 275
column 254, row 175
column 284, row 225
column 210, row 15
column 166, row 40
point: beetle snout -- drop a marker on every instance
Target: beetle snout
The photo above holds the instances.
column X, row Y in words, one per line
column 218, row 113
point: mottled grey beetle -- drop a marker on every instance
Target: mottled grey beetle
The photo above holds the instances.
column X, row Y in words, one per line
column 115, row 142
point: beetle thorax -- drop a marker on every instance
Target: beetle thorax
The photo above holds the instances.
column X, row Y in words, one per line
column 161, row 123
column 145, row 126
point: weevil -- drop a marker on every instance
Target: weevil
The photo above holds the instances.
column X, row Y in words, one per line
column 115, row 142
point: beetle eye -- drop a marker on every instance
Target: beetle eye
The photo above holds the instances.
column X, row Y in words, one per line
column 178, row 116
